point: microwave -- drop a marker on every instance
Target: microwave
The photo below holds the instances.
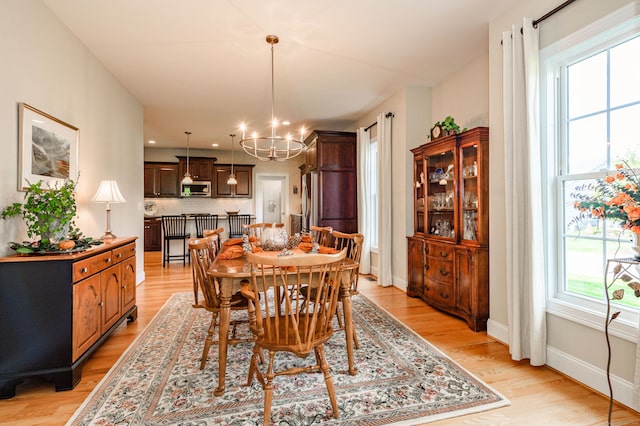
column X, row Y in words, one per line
column 196, row 189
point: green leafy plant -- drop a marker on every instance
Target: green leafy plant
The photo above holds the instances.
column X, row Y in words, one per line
column 449, row 126
column 49, row 212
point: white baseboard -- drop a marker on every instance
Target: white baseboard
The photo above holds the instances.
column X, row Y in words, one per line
column 594, row 377
column 498, row 331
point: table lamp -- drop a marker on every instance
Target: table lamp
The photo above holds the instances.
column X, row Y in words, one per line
column 108, row 192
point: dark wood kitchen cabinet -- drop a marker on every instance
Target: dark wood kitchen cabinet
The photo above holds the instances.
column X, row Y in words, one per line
column 244, row 176
column 161, row 180
column 200, row 168
column 152, row 234
column 332, row 157
column 448, row 254
column 56, row 310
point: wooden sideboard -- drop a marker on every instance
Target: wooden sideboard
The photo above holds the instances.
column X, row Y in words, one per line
column 56, row 310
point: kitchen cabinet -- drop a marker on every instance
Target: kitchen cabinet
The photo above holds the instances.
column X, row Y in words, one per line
column 161, row 180
column 329, row 177
column 448, row 252
column 244, row 176
column 152, row 234
column 57, row 310
column 200, row 168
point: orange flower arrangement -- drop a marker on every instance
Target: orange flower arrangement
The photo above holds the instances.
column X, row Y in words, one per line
column 615, row 197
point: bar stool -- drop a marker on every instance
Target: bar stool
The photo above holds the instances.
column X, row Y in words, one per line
column 174, row 227
column 235, row 224
column 205, row 221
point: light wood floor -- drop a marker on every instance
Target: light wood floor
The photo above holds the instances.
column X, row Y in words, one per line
column 538, row 395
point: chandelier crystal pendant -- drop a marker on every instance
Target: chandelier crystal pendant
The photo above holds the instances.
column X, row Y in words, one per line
column 187, row 176
column 232, row 177
column 274, row 147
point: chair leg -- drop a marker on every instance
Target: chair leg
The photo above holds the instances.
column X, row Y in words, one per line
column 356, row 343
column 208, row 340
column 328, row 379
column 164, row 253
column 268, row 390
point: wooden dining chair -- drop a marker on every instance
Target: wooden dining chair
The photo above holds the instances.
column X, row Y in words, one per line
column 281, row 325
column 205, row 221
column 353, row 244
column 321, row 235
column 203, row 251
column 255, row 229
column 216, row 234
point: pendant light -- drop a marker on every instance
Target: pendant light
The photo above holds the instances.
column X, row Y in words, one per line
column 232, row 177
column 187, row 176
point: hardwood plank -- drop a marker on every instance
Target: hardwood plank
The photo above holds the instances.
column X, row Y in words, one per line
column 539, row 395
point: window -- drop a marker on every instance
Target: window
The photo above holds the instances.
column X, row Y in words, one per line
column 591, row 107
column 373, row 190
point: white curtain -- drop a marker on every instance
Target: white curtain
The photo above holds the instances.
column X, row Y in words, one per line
column 525, row 256
column 364, row 206
column 385, row 276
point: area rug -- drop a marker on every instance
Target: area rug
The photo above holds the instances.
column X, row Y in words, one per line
column 402, row 379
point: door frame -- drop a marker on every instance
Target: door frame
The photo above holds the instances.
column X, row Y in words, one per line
column 284, row 195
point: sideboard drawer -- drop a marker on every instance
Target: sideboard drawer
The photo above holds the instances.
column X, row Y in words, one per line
column 124, row 252
column 87, row 267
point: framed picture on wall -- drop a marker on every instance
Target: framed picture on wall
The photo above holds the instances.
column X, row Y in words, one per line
column 48, row 148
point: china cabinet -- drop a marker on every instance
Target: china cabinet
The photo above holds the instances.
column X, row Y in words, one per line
column 56, row 310
column 448, row 253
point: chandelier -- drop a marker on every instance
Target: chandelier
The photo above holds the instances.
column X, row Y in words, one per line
column 274, row 147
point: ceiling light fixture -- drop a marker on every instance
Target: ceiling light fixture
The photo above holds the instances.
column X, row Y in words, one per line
column 232, row 177
column 187, row 176
column 274, row 147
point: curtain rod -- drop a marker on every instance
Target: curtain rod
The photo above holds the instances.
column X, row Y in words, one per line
column 549, row 14
column 389, row 114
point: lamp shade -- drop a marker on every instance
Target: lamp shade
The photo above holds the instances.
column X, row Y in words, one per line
column 108, row 192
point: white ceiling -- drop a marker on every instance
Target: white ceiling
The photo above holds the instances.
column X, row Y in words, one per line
column 204, row 65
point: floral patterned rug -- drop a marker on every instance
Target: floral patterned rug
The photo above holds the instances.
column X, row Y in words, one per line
column 401, row 379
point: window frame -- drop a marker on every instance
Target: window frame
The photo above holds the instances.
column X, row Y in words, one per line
column 602, row 34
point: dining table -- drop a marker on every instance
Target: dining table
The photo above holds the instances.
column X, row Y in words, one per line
column 230, row 273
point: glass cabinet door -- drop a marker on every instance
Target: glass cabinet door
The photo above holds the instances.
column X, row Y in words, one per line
column 470, row 193
column 419, row 187
column 441, row 193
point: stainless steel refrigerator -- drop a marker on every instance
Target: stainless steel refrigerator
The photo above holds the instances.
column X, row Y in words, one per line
column 309, row 200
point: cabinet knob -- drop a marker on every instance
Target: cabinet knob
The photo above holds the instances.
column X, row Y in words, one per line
column 108, row 260
column 444, row 254
column 444, row 295
column 444, row 273
column 84, row 270
column 101, row 304
column 124, row 286
column 119, row 255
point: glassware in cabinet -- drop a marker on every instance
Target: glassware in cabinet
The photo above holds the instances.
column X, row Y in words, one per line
column 419, row 197
column 441, row 196
column 469, row 167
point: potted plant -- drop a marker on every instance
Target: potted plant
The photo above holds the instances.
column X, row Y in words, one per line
column 49, row 212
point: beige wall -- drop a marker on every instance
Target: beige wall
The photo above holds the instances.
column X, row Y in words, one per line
column 45, row 66
column 464, row 95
